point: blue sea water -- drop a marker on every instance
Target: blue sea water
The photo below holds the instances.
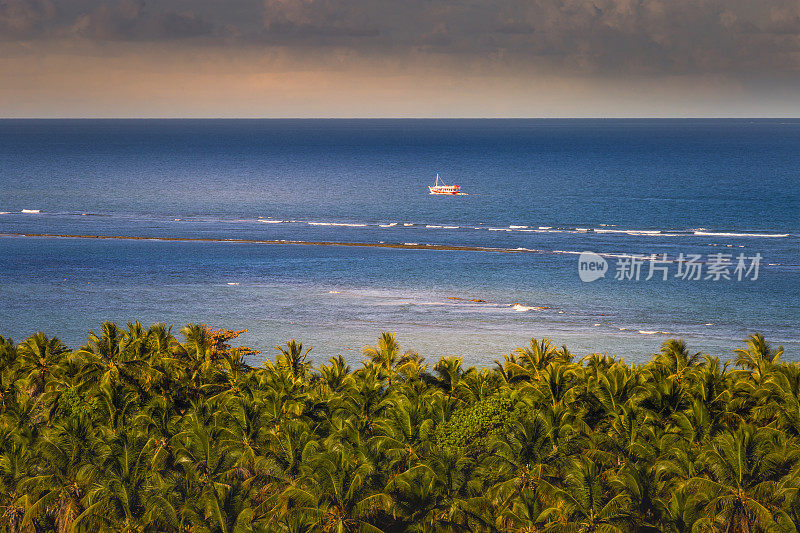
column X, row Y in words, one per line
column 544, row 190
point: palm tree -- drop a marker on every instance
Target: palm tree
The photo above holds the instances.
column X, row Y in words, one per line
column 677, row 511
column 334, row 494
column 414, row 494
column 758, row 356
column 779, row 403
column 112, row 357
column 408, row 434
column 461, row 503
column 119, row 499
column 8, row 354
column 539, row 354
column 293, row 359
column 742, row 486
column 676, row 360
column 14, row 470
column 526, row 467
column 556, row 385
column 335, row 374
column 366, row 401
column 208, row 469
column 478, row 385
column 39, row 357
column 66, row 466
column 589, row 503
column 448, row 373
column 386, row 355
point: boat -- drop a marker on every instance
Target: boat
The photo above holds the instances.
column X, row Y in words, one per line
column 444, row 189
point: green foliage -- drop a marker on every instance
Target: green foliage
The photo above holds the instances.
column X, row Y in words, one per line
column 71, row 404
column 139, row 432
column 471, row 428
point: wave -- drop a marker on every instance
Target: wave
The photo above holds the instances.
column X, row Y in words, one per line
column 630, row 231
column 514, row 229
column 340, row 224
column 525, row 308
column 726, row 234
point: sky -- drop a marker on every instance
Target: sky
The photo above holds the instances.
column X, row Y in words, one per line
column 407, row 58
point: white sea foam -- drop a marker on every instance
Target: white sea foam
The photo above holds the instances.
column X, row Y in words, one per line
column 390, row 225
column 31, row 211
column 233, row 283
column 545, row 227
column 265, row 221
column 411, row 243
column 726, row 234
column 522, row 308
column 499, row 229
column 5, row 212
column 630, row 231
column 340, row 224
column 407, row 224
column 518, row 227
column 334, row 292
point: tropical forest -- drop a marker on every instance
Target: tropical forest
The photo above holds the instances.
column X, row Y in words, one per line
column 149, row 430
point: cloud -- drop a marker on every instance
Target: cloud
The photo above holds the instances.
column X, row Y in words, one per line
column 740, row 38
column 25, row 19
column 133, row 20
column 633, row 36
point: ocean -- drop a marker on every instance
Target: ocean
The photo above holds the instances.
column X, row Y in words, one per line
column 220, row 214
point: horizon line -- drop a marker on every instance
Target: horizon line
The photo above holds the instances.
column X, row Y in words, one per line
column 405, row 118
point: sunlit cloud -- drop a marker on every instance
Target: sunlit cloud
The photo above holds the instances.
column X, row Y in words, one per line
column 386, row 58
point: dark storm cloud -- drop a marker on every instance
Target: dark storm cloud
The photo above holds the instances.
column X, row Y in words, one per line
column 608, row 36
